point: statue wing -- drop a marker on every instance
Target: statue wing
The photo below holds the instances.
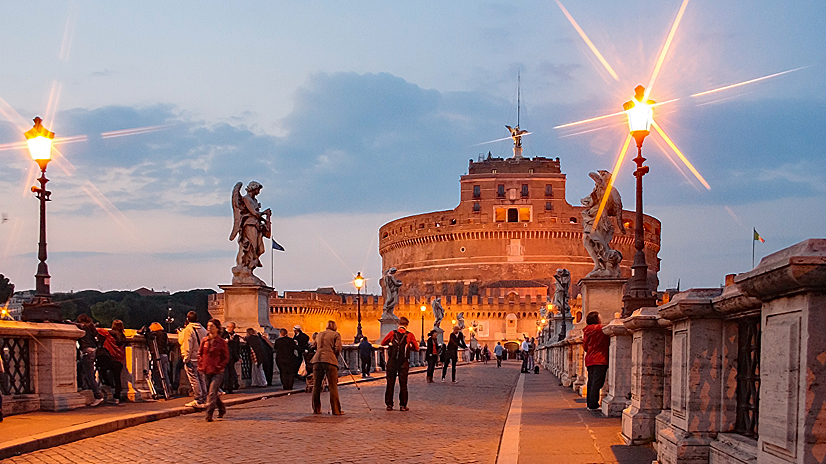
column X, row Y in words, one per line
column 237, row 208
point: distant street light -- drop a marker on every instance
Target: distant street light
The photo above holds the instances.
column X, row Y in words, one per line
column 423, row 308
column 169, row 318
column 358, row 282
column 41, row 308
column 640, row 117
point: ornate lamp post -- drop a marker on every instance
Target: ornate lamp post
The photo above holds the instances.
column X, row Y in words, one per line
column 169, row 318
column 41, row 308
column 423, row 308
column 358, row 282
column 640, row 116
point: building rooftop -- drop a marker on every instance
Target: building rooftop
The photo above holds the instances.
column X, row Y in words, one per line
column 538, row 165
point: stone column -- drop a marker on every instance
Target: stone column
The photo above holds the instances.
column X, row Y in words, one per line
column 696, row 387
column 53, row 361
column 137, row 365
column 247, row 306
column 618, row 380
column 792, row 410
column 601, row 295
column 647, row 375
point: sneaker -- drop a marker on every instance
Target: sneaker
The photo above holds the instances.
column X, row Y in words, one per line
column 116, row 401
column 390, row 408
column 454, row 381
column 443, row 380
column 97, row 402
column 200, row 405
column 404, row 408
column 221, row 413
column 191, row 404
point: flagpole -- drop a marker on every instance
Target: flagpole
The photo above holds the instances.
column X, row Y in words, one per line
column 272, row 266
column 753, row 233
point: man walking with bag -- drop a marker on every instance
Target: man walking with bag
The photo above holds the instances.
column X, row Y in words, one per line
column 400, row 342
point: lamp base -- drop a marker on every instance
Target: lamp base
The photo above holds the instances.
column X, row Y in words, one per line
column 41, row 309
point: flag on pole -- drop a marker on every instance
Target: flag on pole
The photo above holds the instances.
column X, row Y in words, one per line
column 277, row 247
column 758, row 237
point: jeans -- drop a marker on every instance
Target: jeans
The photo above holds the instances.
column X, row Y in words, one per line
column 87, row 363
column 213, row 399
column 110, row 370
column 596, row 379
column 499, row 361
column 321, row 369
column 451, row 357
column 365, row 365
column 196, row 381
column 392, row 372
column 431, row 366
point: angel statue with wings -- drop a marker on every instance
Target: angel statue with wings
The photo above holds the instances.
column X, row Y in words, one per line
column 250, row 225
column 598, row 236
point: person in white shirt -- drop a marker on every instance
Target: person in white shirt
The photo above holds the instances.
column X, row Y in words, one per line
column 524, row 349
column 190, row 340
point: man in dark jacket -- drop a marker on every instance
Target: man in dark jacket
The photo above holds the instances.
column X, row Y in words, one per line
column 366, row 356
column 88, row 347
column 267, row 362
column 400, row 343
column 285, row 348
column 302, row 340
column 257, row 353
column 234, row 347
column 432, row 354
column 457, row 340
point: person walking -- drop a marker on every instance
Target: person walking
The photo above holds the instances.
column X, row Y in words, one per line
column 457, row 340
column 325, row 363
column 303, row 342
column 112, row 357
column 400, row 343
column 268, row 362
column 234, row 346
column 213, row 356
column 431, row 354
column 257, row 356
column 498, row 350
column 190, row 340
column 285, row 348
column 366, row 351
column 88, row 348
column 596, row 345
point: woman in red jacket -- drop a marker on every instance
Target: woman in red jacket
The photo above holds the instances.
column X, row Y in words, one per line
column 212, row 359
column 596, row 346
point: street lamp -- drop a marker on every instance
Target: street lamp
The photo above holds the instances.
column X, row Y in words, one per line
column 640, row 117
column 41, row 308
column 358, row 282
column 423, row 308
column 169, row 318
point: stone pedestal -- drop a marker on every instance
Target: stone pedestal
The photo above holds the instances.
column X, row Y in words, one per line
column 639, row 421
column 618, row 380
column 603, row 296
column 247, row 306
column 696, row 387
column 137, row 368
column 388, row 324
column 54, row 365
column 792, row 286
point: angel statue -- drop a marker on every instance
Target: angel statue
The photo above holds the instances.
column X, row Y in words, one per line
column 391, row 299
column 597, row 237
column 250, row 225
column 460, row 320
column 438, row 313
column 516, row 135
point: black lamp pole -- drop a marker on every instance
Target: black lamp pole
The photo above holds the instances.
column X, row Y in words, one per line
column 359, row 281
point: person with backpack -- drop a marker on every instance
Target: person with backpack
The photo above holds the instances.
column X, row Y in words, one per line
column 190, row 339
column 400, row 343
column 457, row 340
column 111, row 358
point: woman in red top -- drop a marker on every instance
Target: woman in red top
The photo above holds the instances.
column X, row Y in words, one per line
column 596, row 346
column 212, row 359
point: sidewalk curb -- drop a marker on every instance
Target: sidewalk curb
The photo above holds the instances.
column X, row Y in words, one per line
column 92, row 429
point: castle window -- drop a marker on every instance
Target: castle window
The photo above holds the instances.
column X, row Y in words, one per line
column 477, row 191
column 549, row 206
column 573, row 220
column 500, row 191
column 530, row 171
column 524, row 190
column 477, row 207
column 493, row 171
column 549, row 191
column 500, row 214
column 524, row 215
column 513, row 215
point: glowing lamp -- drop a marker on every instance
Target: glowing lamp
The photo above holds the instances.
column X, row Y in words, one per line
column 39, row 140
column 358, row 281
column 543, row 321
column 423, row 308
column 640, row 114
column 453, row 321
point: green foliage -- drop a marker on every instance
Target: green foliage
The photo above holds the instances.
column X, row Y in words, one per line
column 134, row 310
column 6, row 289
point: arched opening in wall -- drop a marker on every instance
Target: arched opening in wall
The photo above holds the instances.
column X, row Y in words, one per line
column 510, row 350
column 512, row 297
column 513, row 215
column 578, row 318
column 498, row 314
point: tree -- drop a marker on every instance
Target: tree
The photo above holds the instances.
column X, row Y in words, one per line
column 107, row 311
column 6, row 289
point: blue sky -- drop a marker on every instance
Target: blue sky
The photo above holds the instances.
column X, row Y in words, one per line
column 352, row 115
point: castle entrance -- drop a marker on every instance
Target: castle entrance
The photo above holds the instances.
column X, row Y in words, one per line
column 510, row 350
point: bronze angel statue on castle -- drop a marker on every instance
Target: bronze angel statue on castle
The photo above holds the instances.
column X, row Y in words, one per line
column 250, row 226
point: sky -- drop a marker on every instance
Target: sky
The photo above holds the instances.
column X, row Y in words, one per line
column 352, row 114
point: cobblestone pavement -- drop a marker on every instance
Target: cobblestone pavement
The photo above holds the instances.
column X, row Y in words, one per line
column 447, row 423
